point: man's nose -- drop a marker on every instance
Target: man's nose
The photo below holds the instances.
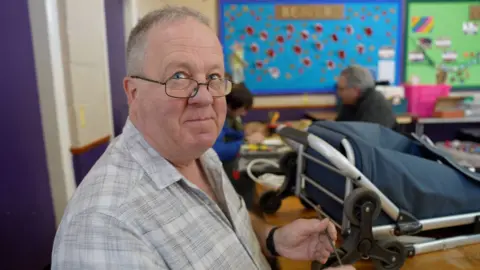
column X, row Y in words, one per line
column 202, row 96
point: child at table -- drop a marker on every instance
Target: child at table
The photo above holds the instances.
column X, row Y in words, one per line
column 232, row 135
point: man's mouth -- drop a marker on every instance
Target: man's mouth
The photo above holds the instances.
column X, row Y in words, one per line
column 203, row 119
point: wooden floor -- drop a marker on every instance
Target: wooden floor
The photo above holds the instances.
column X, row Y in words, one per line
column 464, row 258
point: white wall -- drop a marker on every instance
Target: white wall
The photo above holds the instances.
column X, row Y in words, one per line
column 44, row 20
column 89, row 98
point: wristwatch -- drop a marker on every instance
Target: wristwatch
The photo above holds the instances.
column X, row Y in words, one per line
column 270, row 243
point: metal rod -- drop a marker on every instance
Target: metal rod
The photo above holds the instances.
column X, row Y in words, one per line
column 334, row 249
column 324, row 190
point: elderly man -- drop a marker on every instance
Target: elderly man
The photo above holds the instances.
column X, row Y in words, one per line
column 360, row 101
column 158, row 197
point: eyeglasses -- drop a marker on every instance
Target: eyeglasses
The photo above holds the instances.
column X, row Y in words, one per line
column 187, row 88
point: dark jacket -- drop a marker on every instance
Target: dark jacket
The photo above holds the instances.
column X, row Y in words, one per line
column 371, row 107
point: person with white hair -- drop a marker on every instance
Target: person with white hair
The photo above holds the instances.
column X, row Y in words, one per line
column 158, row 198
column 360, row 101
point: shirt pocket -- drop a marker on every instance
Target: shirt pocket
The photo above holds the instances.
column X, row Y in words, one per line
column 193, row 240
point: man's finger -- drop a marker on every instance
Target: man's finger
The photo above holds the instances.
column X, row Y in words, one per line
column 332, row 231
column 325, row 254
column 308, row 227
column 323, row 224
column 329, row 246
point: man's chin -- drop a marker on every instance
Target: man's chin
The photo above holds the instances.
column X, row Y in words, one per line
column 204, row 140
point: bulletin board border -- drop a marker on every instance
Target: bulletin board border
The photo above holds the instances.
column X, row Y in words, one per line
column 405, row 40
column 399, row 62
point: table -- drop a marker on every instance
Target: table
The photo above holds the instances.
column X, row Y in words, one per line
column 462, row 258
column 420, row 122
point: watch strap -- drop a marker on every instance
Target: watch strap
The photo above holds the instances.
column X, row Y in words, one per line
column 270, row 243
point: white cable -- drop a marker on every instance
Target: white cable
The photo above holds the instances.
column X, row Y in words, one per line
column 259, row 160
column 267, row 179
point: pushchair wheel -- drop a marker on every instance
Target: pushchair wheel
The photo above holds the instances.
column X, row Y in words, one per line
column 331, row 262
column 354, row 202
column 270, row 202
column 396, row 260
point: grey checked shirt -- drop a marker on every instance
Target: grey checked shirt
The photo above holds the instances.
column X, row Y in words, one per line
column 134, row 210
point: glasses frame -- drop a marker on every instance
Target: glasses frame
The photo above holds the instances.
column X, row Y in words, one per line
column 194, row 92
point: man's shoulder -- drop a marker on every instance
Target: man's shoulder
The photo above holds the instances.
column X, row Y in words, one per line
column 109, row 183
column 379, row 96
column 377, row 101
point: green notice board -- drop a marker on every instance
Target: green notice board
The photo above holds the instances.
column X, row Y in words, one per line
column 443, row 36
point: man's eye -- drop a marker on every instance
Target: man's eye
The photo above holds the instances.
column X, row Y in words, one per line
column 214, row 77
column 179, row 75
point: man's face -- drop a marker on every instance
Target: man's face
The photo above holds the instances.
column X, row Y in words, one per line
column 347, row 94
column 184, row 49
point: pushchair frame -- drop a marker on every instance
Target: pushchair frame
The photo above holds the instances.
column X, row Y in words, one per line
column 357, row 185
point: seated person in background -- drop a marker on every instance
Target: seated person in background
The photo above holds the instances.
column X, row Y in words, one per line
column 360, row 101
column 232, row 135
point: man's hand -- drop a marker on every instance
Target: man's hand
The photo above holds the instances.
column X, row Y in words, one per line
column 306, row 239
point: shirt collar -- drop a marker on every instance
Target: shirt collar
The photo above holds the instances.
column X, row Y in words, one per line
column 160, row 170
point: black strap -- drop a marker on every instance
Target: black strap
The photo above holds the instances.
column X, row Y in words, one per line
column 271, row 243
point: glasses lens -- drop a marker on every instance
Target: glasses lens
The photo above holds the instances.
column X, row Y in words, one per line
column 219, row 87
column 181, row 88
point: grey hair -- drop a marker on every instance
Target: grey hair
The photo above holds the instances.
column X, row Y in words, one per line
column 358, row 77
column 137, row 40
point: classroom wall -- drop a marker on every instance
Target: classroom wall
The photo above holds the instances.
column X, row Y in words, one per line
column 291, row 106
column 27, row 224
column 89, row 94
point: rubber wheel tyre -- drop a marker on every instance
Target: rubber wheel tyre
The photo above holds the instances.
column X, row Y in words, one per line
column 400, row 259
column 288, row 161
column 353, row 204
column 330, row 262
column 270, row 202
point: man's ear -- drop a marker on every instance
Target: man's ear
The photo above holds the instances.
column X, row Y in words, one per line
column 130, row 87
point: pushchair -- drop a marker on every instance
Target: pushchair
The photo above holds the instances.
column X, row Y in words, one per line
column 391, row 196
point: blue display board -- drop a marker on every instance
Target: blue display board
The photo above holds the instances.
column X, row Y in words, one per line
column 297, row 47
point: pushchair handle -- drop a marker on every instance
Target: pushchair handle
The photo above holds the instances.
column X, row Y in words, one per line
column 293, row 134
column 334, row 156
column 292, row 137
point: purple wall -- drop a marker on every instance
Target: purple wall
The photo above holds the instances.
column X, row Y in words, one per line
column 116, row 61
column 83, row 162
column 27, row 224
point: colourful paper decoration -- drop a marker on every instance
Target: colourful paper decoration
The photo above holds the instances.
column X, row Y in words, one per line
column 422, row 24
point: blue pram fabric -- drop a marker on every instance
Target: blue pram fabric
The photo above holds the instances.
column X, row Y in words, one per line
column 405, row 170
